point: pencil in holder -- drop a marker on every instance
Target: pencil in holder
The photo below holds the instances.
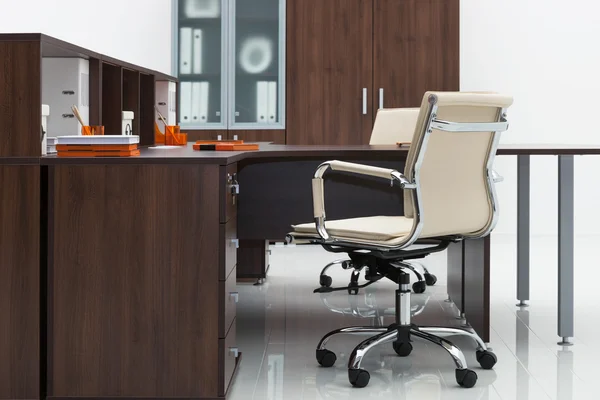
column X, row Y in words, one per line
column 90, row 130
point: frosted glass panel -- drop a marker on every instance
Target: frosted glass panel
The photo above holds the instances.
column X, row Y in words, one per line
column 200, row 70
column 257, row 61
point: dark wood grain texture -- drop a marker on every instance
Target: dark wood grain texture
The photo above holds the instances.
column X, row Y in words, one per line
column 456, row 274
column 348, row 69
column 416, row 49
column 229, row 360
column 267, row 135
column 134, row 281
column 95, row 91
column 147, row 113
column 253, row 259
column 112, row 98
column 329, row 62
column 200, row 134
column 19, row 282
column 20, row 99
column 131, row 96
column 304, row 72
column 476, row 290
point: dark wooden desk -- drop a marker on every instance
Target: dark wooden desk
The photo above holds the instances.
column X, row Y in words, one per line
column 139, row 260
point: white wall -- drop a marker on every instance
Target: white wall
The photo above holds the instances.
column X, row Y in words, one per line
column 544, row 53
column 137, row 31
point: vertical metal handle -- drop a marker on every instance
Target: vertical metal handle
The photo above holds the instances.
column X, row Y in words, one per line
column 234, row 351
column 219, row 137
column 364, row 101
column 235, row 137
column 235, row 296
column 380, row 98
column 236, row 243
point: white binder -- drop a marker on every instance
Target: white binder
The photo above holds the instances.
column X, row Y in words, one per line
column 262, row 100
column 185, row 102
column 197, row 63
column 185, row 51
column 272, row 103
column 203, row 102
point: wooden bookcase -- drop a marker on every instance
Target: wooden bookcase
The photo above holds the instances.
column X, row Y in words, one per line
column 114, row 86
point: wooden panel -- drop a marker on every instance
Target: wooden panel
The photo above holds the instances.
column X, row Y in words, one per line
column 416, row 49
column 229, row 201
column 253, row 259
column 131, row 96
column 477, row 285
column 275, row 194
column 227, row 248
column 20, row 99
column 194, row 135
column 19, row 281
column 228, row 360
column 329, row 62
column 228, row 303
column 267, row 135
column 95, row 91
column 147, row 113
column 112, row 98
column 455, row 285
column 133, row 281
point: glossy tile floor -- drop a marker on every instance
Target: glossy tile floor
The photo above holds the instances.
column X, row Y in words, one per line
column 280, row 323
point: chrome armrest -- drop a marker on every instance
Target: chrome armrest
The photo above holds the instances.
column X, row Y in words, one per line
column 359, row 169
column 496, row 177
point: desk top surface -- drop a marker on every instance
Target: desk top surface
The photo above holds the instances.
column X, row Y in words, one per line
column 274, row 151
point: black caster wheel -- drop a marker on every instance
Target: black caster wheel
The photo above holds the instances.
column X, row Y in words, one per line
column 353, row 288
column 358, row 377
column 326, row 358
column 325, row 280
column 466, row 378
column 486, row 359
column 402, row 349
column 430, row 279
column 419, row 287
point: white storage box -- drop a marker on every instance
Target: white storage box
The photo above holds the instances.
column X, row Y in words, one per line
column 65, row 83
column 166, row 96
column 45, row 115
column 127, row 123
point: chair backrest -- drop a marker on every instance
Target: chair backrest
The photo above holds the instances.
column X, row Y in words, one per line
column 393, row 125
column 451, row 159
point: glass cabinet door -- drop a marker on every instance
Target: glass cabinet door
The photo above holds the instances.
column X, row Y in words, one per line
column 200, row 62
column 257, row 64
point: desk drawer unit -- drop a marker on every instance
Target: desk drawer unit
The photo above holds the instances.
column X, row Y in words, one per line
column 229, row 196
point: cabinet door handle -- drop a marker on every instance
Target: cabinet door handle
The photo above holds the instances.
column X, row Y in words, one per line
column 234, row 351
column 236, row 243
column 364, row 101
column 235, row 296
column 380, row 98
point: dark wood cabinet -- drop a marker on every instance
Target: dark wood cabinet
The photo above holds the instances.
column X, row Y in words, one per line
column 415, row 49
column 329, row 71
column 337, row 49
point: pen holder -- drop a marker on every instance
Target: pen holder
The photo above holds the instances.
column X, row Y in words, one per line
column 87, row 130
column 173, row 137
column 159, row 137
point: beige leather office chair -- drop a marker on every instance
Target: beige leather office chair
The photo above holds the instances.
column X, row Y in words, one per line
column 449, row 195
column 392, row 125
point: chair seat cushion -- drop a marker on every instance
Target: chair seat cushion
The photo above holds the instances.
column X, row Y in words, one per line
column 379, row 228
